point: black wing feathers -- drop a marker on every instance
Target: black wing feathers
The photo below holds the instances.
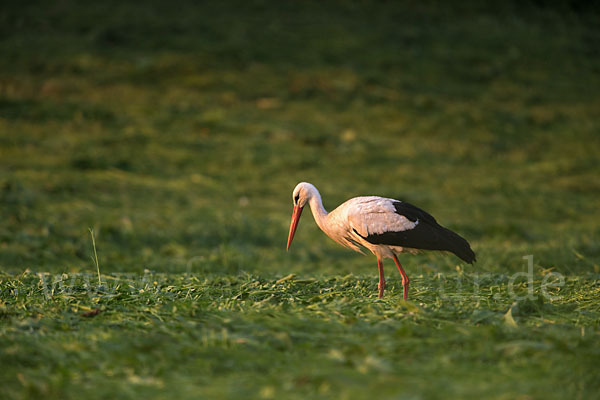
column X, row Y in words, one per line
column 413, row 213
column 426, row 235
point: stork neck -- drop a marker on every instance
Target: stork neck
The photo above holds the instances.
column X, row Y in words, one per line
column 318, row 211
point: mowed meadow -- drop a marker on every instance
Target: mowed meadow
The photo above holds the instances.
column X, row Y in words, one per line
column 176, row 133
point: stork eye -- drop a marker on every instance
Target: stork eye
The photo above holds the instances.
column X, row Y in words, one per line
column 297, row 198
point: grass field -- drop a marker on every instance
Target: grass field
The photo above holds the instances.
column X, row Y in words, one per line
column 177, row 133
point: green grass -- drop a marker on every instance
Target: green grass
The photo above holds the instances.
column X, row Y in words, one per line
column 244, row 336
column 177, row 133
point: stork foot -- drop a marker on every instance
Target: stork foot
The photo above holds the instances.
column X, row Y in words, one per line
column 381, row 285
column 405, row 280
column 405, row 285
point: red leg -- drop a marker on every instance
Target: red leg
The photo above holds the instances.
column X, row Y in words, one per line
column 405, row 280
column 381, row 285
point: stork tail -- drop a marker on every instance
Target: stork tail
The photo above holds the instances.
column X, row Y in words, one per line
column 457, row 244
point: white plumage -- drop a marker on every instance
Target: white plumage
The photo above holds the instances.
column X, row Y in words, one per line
column 378, row 224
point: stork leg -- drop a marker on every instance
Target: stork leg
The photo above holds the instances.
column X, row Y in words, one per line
column 381, row 285
column 405, row 280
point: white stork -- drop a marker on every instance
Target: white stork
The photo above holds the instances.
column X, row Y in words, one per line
column 384, row 226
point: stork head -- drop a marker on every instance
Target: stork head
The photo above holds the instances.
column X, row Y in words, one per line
column 302, row 193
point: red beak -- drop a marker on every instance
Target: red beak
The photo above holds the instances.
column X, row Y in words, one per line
column 294, row 224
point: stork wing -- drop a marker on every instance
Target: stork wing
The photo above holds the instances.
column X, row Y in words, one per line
column 396, row 223
column 370, row 216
